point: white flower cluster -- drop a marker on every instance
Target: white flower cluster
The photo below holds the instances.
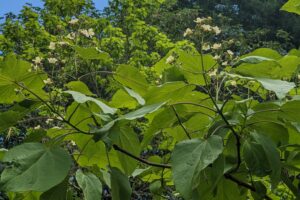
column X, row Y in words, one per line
column 73, row 21
column 52, row 60
column 170, row 60
column 203, row 24
column 87, row 33
column 48, row 81
column 188, row 32
column 52, row 46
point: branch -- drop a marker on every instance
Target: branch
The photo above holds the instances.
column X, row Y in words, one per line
column 243, row 184
column 181, row 124
column 219, row 111
column 50, row 108
column 117, row 148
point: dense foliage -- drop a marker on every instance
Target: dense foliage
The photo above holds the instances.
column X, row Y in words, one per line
column 104, row 105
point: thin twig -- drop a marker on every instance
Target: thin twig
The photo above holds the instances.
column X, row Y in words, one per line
column 180, row 123
column 243, row 184
column 117, row 148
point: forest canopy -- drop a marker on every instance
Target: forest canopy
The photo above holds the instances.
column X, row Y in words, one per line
column 150, row 99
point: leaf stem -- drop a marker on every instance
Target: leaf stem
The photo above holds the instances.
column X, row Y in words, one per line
column 180, row 123
column 117, row 148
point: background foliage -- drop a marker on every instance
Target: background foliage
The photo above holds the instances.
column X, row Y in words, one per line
column 151, row 99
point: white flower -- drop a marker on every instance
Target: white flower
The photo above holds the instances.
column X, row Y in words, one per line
column 48, row 81
column 48, row 121
column 87, row 33
column 216, row 46
column 217, row 57
column 37, row 60
column 217, row 30
column 37, row 127
column 73, row 21
column 231, row 41
column 213, row 73
column 224, row 63
column 91, row 32
column 59, row 118
column 233, row 83
column 170, row 60
column 188, row 32
column 199, row 20
column 71, row 36
column 63, row 43
column 52, row 45
column 206, row 27
column 230, row 52
column 52, row 60
column 205, row 47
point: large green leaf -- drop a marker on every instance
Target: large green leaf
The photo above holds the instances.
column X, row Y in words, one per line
column 264, row 52
column 255, row 158
column 190, row 158
column 190, row 64
column 131, row 77
column 272, row 156
column 120, row 186
column 291, row 110
column 142, row 111
column 292, row 6
column 91, row 53
column 13, row 72
column 90, row 185
column 122, row 99
column 81, row 98
column 125, row 137
column 281, row 88
column 79, row 86
column 135, row 95
column 58, row 192
column 168, row 92
column 34, row 167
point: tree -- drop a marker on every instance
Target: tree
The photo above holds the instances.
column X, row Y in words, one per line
column 200, row 123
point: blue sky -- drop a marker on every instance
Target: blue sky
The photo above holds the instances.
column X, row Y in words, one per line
column 16, row 5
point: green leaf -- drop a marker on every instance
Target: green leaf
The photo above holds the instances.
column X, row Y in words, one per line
column 91, row 53
column 272, row 156
column 274, row 130
column 131, row 77
column 189, row 158
column 9, row 118
column 120, row 186
column 13, row 72
column 168, row 92
column 291, row 111
column 142, row 111
column 35, row 167
column 79, row 86
column 255, row 159
column 281, row 88
column 90, row 185
column 81, row 98
column 253, row 60
column 292, row 6
column 135, row 95
column 58, row 192
column 125, row 137
column 122, row 99
column 90, row 152
column 264, row 52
